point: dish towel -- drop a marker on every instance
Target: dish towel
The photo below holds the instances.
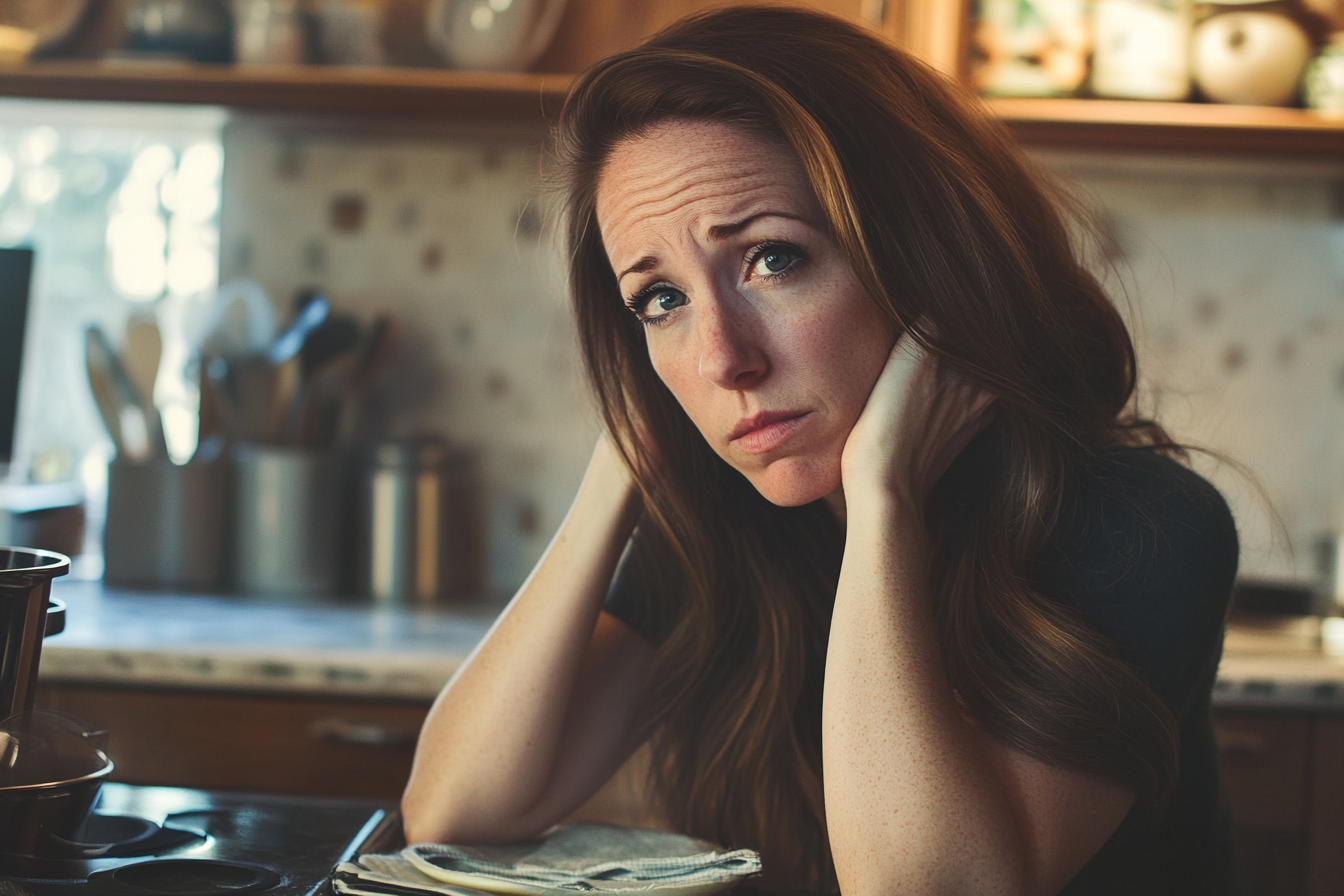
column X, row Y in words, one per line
column 577, row 857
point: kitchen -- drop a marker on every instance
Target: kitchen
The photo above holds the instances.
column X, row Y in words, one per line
column 1225, row 234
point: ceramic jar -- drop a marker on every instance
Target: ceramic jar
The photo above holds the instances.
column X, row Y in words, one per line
column 1323, row 81
column 1142, row 49
column 1030, row 47
column 1251, row 57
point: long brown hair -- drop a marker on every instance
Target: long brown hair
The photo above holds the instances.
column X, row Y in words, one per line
column 957, row 242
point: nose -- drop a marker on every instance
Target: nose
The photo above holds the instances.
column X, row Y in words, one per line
column 732, row 352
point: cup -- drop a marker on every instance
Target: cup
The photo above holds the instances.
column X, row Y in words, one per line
column 289, row 521
column 166, row 525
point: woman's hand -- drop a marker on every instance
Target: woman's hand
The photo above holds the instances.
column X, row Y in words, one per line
column 917, row 420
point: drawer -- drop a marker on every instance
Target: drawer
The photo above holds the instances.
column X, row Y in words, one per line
column 1265, row 761
column 280, row 744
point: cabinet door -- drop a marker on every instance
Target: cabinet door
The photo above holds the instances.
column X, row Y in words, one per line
column 1265, row 764
column 1325, row 844
column 281, row 744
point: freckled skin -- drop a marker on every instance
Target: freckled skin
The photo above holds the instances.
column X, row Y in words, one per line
column 811, row 342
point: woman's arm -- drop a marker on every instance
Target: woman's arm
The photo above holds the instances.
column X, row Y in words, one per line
column 919, row 799
column 538, row 717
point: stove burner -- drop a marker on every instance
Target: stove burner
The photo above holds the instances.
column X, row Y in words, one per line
column 120, row 836
column 189, row 877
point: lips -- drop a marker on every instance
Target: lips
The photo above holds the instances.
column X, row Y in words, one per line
column 765, row 431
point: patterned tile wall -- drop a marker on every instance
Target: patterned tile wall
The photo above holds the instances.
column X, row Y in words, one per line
column 446, row 232
column 1232, row 276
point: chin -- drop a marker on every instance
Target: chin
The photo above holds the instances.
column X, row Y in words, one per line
column 792, row 482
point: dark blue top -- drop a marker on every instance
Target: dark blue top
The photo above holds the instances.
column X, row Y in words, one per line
column 1147, row 557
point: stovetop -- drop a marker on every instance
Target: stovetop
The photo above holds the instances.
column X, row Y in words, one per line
column 266, row 844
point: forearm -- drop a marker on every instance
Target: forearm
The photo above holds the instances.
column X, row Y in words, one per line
column 489, row 749
column 913, row 803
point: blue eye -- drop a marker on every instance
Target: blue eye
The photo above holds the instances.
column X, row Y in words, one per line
column 655, row 302
column 667, row 299
column 773, row 258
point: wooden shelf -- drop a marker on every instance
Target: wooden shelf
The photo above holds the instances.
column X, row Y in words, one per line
column 419, row 93
column 1129, row 126
column 531, row 99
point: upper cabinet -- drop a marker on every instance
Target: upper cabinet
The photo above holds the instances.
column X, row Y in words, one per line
column 937, row 30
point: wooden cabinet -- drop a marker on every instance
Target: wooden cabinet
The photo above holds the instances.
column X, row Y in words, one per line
column 1284, row 776
column 273, row 744
column 590, row 29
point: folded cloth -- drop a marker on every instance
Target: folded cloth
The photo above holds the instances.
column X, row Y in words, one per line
column 582, row 857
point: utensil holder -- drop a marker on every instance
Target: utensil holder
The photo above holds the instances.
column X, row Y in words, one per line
column 166, row 525
column 289, row 521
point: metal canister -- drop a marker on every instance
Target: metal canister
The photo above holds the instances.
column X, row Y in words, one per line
column 420, row 543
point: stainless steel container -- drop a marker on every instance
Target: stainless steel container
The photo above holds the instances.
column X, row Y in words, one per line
column 167, row 525
column 289, row 521
column 420, row 541
column 25, row 591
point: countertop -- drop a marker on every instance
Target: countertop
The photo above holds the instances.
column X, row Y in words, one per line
column 354, row 649
column 255, row 644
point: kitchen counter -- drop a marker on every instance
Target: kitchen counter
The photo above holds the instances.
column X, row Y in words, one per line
column 352, row 649
column 252, row 644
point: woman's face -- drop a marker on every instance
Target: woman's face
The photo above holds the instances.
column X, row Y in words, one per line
column 753, row 318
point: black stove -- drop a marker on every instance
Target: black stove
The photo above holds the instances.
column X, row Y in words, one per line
column 169, row 840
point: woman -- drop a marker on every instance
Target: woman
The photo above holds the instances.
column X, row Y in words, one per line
column 914, row 603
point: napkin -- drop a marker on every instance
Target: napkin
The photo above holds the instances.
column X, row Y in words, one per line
column 578, row 857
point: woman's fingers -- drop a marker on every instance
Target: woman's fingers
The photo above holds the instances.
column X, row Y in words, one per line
column 917, row 420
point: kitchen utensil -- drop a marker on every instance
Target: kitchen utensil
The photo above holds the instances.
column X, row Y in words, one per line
column 315, row 418
column 240, row 320
column 289, row 343
column 327, row 362
column 420, row 533
column 1250, row 58
column 117, row 397
column 144, row 348
column 269, row 32
column 289, row 521
column 491, row 35
column 167, row 524
column 25, row 589
column 1142, row 49
column 51, row 769
column 373, row 353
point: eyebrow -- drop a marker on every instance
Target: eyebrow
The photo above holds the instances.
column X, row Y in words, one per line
column 717, row 233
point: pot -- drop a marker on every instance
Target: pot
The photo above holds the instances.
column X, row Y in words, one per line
column 44, row 820
column 51, row 768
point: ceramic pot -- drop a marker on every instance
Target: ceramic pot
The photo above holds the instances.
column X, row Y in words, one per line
column 1323, row 81
column 1249, row 58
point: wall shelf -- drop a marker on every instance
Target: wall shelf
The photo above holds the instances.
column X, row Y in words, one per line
column 401, row 92
column 522, row 98
column 1131, row 126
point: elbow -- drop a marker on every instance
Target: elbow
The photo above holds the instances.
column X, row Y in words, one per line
column 426, row 818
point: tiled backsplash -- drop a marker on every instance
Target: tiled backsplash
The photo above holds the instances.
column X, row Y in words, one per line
column 446, row 233
column 1233, row 277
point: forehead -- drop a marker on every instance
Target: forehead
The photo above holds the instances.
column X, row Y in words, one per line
column 693, row 174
